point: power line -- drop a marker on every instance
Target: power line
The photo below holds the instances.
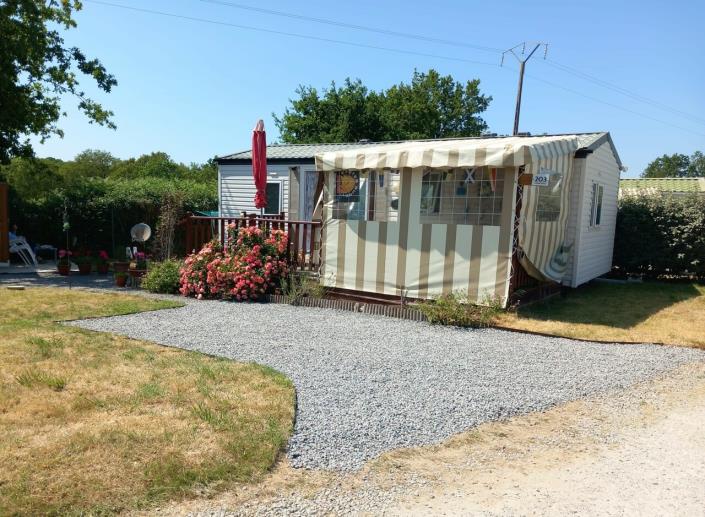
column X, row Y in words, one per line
column 456, row 43
column 617, row 106
column 375, row 47
column 346, row 25
column 291, row 34
column 623, row 91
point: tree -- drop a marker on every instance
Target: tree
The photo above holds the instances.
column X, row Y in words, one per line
column 345, row 114
column 696, row 169
column 432, row 106
column 36, row 70
column 91, row 163
column 676, row 166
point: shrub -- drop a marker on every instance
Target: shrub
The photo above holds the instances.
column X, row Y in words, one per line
column 454, row 309
column 163, row 277
column 661, row 236
column 297, row 287
column 193, row 272
column 251, row 265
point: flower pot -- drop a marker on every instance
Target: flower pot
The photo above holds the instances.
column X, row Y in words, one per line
column 137, row 273
column 85, row 268
column 103, row 268
column 120, row 266
column 120, row 281
column 63, row 269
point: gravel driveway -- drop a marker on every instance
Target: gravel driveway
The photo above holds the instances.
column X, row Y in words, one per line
column 368, row 384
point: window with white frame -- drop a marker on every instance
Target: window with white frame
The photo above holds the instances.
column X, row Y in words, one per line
column 548, row 207
column 462, row 196
column 273, row 192
column 596, row 205
column 366, row 195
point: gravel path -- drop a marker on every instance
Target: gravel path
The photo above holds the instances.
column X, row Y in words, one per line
column 369, row 384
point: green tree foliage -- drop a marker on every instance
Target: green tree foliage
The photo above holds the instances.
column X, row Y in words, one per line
column 661, row 236
column 36, row 70
column 431, row 106
column 104, row 196
column 676, row 166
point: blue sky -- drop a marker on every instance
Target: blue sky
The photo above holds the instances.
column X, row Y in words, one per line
column 195, row 90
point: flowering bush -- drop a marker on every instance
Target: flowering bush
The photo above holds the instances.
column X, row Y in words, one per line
column 193, row 272
column 65, row 257
column 251, row 265
column 103, row 257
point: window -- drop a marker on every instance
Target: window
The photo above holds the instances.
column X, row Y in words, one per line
column 548, row 208
column 596, row 205
column 273, row 193
column 366, row 195
column 462, row 196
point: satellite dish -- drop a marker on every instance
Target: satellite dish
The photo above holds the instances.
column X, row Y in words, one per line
column 140, row 232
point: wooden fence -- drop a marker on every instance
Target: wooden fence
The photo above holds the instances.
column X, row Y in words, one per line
column 304, row 237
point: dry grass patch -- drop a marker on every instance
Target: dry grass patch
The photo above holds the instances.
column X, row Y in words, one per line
column 98, row 423
column 671, row 313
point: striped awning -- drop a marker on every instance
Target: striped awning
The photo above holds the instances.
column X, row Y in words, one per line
column 470, row 152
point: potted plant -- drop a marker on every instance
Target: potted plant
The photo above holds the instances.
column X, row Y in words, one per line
column 138, row 267
column 120, row 278
column 84, row 262
column 63, row 266
column 102, row 262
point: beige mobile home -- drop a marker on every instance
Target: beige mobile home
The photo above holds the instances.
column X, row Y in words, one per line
column 416, row 219
column 419, row 219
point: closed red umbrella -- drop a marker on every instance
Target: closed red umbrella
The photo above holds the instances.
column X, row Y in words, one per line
column 259, row 163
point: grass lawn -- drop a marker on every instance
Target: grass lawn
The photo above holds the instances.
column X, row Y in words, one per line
column 672, row 313
column 97, row 423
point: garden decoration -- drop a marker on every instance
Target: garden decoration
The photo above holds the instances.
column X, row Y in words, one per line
column 102, row 262
column 63, row 265
column 120, row 278
column 84, row 262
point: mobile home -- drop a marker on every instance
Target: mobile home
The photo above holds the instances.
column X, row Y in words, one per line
column 421, row 218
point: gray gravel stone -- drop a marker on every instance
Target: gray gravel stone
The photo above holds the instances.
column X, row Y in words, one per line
column 368, row 384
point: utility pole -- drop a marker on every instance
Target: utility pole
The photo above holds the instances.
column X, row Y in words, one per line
column 522, row 59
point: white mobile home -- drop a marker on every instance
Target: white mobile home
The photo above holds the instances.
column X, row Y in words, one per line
column 422, row 218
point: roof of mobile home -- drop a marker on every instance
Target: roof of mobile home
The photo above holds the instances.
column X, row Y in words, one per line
column 306, row 153
column 655, row 185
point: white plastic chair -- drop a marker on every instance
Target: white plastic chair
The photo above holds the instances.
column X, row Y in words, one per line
column 20, row 246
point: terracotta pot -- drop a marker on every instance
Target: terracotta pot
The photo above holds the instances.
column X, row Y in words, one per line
column 120, row 266
column 103, row 268
column 85, row 268
column 63, row 269
column 120, row 281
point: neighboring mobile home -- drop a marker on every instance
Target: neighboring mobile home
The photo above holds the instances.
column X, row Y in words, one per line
column 421, row 218
column 661, row 186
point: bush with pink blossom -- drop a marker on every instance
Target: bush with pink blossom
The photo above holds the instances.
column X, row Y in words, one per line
column 250, row 266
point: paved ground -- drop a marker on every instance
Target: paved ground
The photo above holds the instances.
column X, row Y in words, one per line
column 367, row 384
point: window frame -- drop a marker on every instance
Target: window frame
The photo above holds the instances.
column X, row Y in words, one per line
column 281, row 197
column 596, row 204
column 480, row 186
column 544, row 193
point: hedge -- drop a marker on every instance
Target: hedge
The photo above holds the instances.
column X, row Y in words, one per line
column 661, row 236
column 102, row 211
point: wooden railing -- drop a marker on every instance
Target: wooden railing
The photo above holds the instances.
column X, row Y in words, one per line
column 304, row 237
